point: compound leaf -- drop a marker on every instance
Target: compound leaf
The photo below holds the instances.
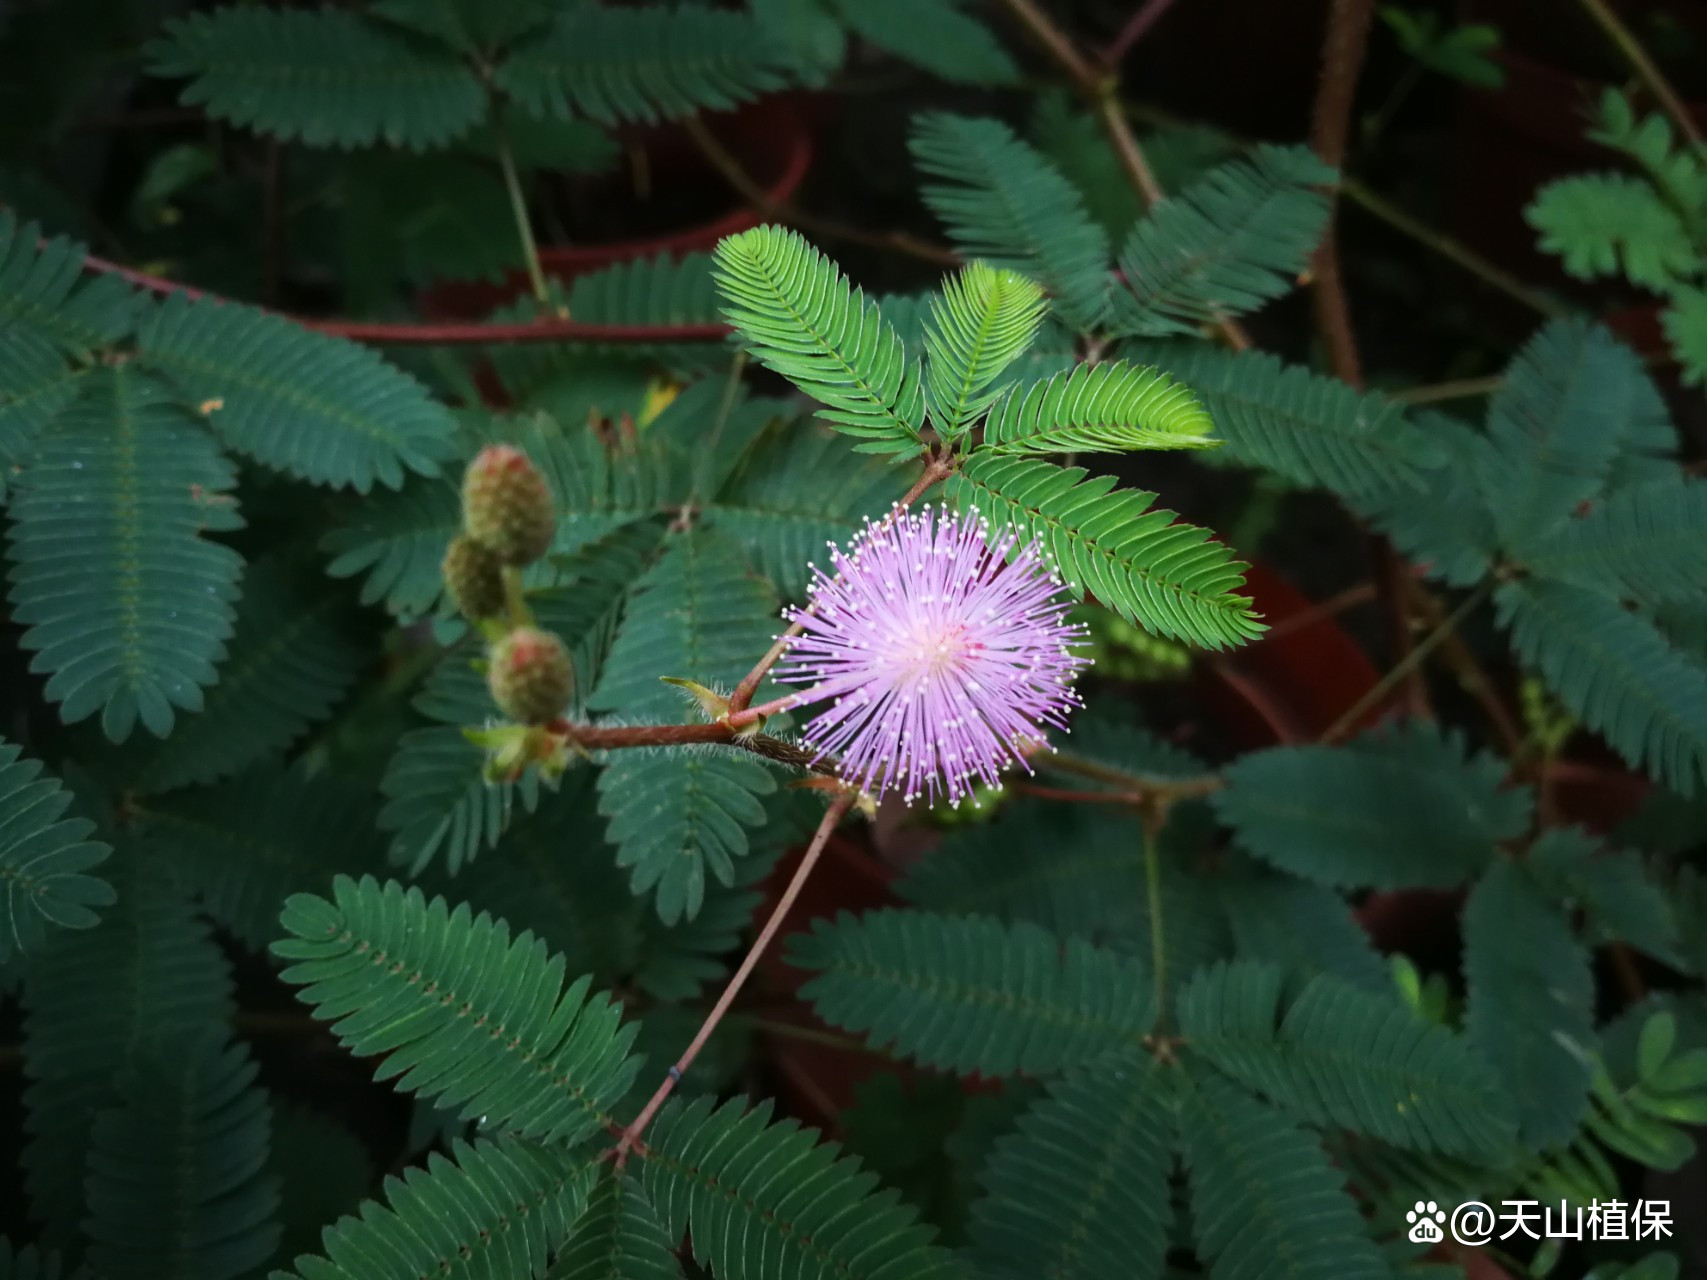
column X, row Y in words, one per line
column 318, row 408
column 127, row 604
column 457, row 1010
column 969, row 994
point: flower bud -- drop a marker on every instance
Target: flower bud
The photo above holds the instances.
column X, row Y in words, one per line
column 506, row 505
column 531, row 676
column 475, row 579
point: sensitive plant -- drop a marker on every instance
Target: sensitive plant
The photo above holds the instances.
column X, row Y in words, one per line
column 484, row 731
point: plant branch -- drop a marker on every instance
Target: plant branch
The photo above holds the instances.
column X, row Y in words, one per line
column 1100, row 87
column 1136, row 28
column 720, row 158
column 1406, row 665
column 1462, row 389
column 1452, row 250
column 1149, row 788
column 1343, row 49
column 1474, row 677
column 833, row 815
column 1645, row 67
column 518, row 206
column 455, row 334
column 936, row 469
column 1153, row 817
column 1330, row 129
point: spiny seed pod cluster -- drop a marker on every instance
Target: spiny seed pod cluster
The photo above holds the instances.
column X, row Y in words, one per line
column 531, row 677
column 506, row 505
column 508, row 521
column 475, row 579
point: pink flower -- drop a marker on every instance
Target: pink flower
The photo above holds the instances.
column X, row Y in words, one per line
column 941, row 660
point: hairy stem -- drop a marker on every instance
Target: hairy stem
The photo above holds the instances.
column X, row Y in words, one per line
column 1645, row 67
column 936, row 469
column 832, row 816
column 518, row 206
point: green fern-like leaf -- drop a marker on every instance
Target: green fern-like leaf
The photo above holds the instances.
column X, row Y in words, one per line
column 318, row 408
column 1401, row 807
column 158, row 1204
column 327, row 77
column 619, row 1237
column 1620, row 898
column 1643, row 543
column 699, row 614
column 968, row 994
column 1264, row 1199
column 1003, row 201
column 1446, row 526
column 459, row 1011
column 1074, row 873
column 35, row 384
column 398, row 540
column 553, row 877
column 1308, row 428
column 1685, row 324
column 781, row 520
column 1341, row 1056
column 438, row 800
column 1079, row 1191
column 94, row 1000
column 44, row 858
column 981, row 322
column 1302, row 927
column 1604, row 224
column 644, row 63
column 1567, row 405
column 1168, row 578
column 292, row 659
column 43, row 293
column 1103, row 408
column 654, row 291
column 1530, row 1010
column 492, row 1209
column 797, row 314
column 1228, row 243
column 719, row 1176
column 127, row 605
column 674, row 818
column 936, row 35
column 1617, row 673
column 248, row 843
column 468, row 25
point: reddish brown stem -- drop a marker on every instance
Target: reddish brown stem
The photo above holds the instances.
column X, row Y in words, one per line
column 1330, row 131
column 833, row 815
column 1136, row 28
column 937, row 469
column 446, row 334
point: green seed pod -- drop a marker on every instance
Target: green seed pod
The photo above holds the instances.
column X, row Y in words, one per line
column 506, row 505
column 475, row 579
column 531, row 676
